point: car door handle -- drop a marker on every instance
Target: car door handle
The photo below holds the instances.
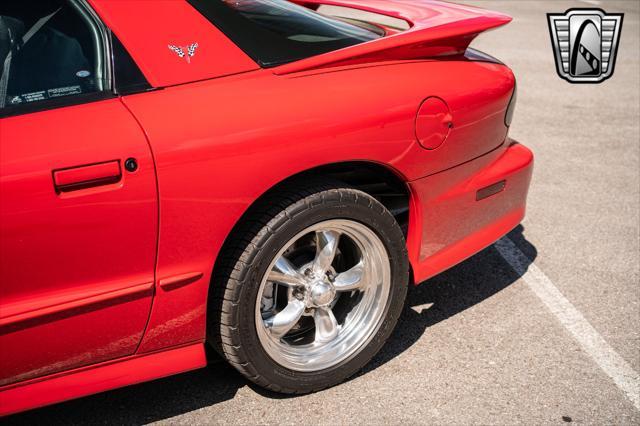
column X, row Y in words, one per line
column 87, row 176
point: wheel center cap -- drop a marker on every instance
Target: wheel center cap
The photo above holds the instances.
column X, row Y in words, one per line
column 322, row 293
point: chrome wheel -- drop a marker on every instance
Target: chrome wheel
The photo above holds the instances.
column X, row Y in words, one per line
column 323, row 296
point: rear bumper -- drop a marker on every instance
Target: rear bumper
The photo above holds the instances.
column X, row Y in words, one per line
column 460, row 211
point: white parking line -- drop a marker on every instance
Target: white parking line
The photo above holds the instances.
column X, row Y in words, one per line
column 611, row 363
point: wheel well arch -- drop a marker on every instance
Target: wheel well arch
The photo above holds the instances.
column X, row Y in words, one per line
column 377, row 180
column 380, row 181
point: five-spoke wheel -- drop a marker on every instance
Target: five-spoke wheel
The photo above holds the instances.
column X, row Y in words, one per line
column 309, row 288
column 336, row 265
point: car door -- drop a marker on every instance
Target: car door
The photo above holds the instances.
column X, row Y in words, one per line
column 78, row 198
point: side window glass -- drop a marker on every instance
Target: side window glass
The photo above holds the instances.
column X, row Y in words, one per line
column 48, row 50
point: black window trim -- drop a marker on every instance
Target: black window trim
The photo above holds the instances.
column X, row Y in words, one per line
column 110, row 79
column 134, row 80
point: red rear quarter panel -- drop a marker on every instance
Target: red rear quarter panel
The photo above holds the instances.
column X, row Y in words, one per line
column 222, row 143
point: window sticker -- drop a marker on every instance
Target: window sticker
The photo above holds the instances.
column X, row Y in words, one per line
column 34, row 96
column 43, row 95
column 64, row 91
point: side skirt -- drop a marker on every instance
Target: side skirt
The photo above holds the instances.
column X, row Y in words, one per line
column 100, row 377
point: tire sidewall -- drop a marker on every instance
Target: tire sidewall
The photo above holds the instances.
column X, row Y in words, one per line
column 375, row 217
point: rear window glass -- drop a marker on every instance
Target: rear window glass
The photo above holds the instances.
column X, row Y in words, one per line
column 274, row 32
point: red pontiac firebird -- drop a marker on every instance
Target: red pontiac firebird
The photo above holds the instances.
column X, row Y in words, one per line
column 266, row 177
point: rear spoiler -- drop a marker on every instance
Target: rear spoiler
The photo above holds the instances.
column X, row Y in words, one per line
column 436, row 29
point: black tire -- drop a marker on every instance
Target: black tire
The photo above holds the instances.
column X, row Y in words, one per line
column 248, row 254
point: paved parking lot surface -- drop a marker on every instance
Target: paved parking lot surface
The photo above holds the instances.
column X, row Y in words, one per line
column 481, row 343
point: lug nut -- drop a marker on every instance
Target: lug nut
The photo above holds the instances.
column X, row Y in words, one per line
column 298, row 294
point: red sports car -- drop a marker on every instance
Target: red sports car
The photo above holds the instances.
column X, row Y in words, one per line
column 266, row 177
